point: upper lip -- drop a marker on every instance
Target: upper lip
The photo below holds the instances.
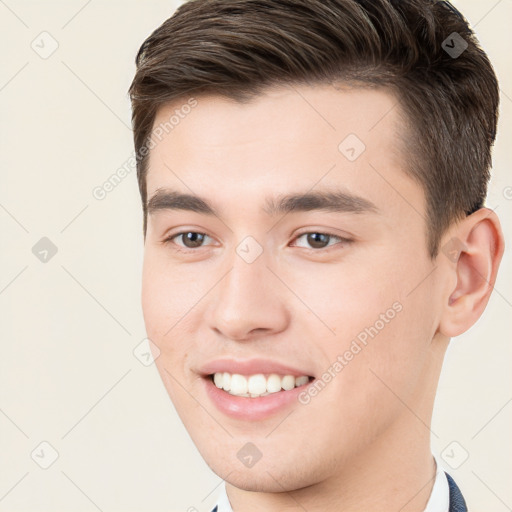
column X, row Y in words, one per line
column 250, row 367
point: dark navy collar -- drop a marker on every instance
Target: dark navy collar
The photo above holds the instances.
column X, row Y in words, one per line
column 457, row 502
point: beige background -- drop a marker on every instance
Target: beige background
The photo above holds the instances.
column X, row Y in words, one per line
column 69, row 326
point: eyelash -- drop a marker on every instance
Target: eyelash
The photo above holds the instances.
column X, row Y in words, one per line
column 183, row 249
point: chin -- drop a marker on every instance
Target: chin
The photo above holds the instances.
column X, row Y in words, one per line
column 269, row 476
column 260, row 481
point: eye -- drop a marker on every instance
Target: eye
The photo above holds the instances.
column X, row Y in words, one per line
column 190, row 239
column 319, row 240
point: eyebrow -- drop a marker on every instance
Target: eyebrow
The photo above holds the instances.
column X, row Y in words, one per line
column 332, row 201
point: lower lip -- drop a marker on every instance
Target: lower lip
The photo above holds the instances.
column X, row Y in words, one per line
column 251, row 409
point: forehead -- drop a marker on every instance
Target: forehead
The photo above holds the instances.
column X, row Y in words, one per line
column 288, row 137
column 295, row 113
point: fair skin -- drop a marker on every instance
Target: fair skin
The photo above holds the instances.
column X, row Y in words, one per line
column 301, row 304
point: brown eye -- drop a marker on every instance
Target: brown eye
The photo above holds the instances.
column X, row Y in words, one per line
column 190, row 239
column 317, row 240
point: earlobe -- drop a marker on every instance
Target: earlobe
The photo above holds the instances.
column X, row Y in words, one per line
column 473, row 253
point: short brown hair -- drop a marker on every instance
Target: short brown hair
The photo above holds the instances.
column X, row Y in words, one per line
column 236, row 48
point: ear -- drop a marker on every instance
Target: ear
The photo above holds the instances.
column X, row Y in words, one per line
column 473, row 254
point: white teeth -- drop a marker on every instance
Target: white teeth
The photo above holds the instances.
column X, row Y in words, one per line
column 238, row 384
column 288, row 382
column 257, row 385
column 273, row 383
column 226, row 381
column 218, row 379
column 299, row 381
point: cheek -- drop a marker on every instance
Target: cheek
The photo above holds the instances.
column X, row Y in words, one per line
column 369, row 392
column 392, row 367
column 162, row 310
column 381, row 345
column 153, row 304
column 347, row 298
column 168, row 294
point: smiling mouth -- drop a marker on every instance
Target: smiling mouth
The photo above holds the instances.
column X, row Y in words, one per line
column 257, row 385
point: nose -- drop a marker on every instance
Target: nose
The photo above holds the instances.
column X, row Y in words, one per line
column 249, row 302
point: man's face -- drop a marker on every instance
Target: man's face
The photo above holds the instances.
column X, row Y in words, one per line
column 346, row 292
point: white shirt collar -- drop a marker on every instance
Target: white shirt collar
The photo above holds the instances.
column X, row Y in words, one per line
column 439, row 500
column 223, row 504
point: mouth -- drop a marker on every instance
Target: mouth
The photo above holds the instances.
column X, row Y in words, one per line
column 257, row 385
column 255, row 397
column 253, row 389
